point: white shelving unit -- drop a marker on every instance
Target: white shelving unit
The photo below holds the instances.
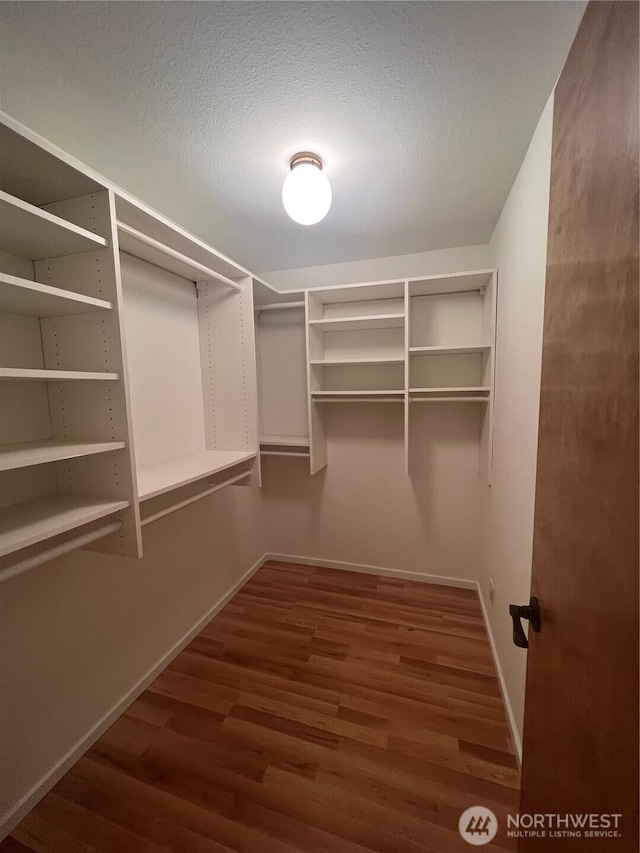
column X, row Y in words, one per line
column 282, row 372
column 76, row 411
column 91, row 428
column 451, row 345
column 66, row 452
column 423, row 340
column 201, row 357
column 355, row 351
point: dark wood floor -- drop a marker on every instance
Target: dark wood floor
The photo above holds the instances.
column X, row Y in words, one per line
column 319, row 711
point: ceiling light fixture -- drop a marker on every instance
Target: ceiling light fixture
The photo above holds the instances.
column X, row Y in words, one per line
column 306, row 192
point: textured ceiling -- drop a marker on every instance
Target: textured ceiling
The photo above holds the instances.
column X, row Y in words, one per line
column 422, row 111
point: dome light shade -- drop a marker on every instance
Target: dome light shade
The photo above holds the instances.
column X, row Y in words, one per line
column 306, row 192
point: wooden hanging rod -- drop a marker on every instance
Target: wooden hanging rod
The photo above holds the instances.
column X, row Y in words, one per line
column 200, row 271
column 60, row 550
column 149, row 519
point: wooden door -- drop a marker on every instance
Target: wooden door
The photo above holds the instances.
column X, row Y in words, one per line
column 581, row 717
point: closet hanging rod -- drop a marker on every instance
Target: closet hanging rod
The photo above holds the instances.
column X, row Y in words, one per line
column 203, row 273
column 149, row 519
column 60, row 550
column 277, row 306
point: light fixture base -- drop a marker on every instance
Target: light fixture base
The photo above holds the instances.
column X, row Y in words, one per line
column 305, row 157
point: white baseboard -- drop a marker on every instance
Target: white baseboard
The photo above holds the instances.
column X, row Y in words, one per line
column 462, row 583
column 420, row 578
column 14, row 815
column 515, row 735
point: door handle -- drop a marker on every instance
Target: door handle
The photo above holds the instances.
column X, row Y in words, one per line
column 529, row 611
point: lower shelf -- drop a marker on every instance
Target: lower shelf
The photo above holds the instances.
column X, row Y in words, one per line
column 158, row 479
column 469, row 394
column 285, row 440
column 34, row 521
column 23, row 454
column 449, row 400
column 285, row 445
column 357, row 396
column 25, row 374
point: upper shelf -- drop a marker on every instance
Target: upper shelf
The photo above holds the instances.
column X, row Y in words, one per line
column 29, row 232
column 352, row 324
column 158, row 479
column 466, row 282
column 153, row 225
column 22, row 296
column 37, row 175
column 154, row 252
column 341, row 293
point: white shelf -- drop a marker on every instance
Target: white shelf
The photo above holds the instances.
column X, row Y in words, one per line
column 332, row 362
column 352, row 324
column 30, row 298
column 24, row 454
column 34, row 521
column 285, row 440
column 158, row 479
column 154, row 252
column 357, row 396
column 358, row 393
column 297, row 453
column 466, row 282
column 29, row 232
column 476, row 388
column 29, row 374
column 449, row 399
column 464, row 350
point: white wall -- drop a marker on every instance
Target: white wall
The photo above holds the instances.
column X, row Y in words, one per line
column 381, row 269
column 363, row 509
column 77, row 634
column 520, row 245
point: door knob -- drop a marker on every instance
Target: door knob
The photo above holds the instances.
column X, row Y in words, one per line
column 529, row 611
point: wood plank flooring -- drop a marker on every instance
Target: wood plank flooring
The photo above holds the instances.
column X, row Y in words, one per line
column 320, row 711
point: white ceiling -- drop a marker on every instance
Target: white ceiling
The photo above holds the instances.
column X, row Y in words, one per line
column 421, row 111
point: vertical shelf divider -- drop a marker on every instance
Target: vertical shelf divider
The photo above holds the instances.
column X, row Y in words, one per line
column 407, row 374
column 317, row 437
